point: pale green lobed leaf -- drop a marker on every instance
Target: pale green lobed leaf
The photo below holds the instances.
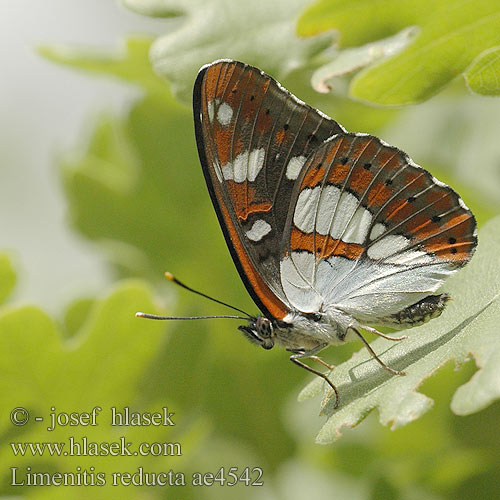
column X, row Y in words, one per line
column 468, row 327
column 261, row 33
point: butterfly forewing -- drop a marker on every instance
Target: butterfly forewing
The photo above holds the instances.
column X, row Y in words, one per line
column 253, row 139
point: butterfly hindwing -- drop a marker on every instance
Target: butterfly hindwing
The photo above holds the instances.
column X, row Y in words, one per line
column 253, row 139
column 369, row 231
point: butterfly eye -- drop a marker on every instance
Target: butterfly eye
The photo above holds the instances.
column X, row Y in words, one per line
column 264, row 327
column 259, row 332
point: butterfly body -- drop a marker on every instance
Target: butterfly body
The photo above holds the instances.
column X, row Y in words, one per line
column 308, row 331
column 331, row 231
column 302, row 331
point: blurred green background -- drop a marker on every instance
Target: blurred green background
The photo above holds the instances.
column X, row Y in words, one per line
column 134, row 198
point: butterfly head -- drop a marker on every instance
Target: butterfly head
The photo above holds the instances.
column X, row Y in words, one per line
column 260, row 331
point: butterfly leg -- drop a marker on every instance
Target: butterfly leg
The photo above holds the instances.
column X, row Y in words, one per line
column 313, row 357
column 380, row 334
column 372, row 352
column 302, row 353
column 322, row 362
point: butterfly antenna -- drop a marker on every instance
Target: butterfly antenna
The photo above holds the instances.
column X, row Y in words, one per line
column 154, row 316
column 172, row 278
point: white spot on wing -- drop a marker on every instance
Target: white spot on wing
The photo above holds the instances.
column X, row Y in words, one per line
column 294, row 166
column 439, row 183
column 410, row 258
column 255, row 163
column 317, row 207
column 240, row 167
column 328, row 201
column 357, row 229
column 224, row 114
column 211, row 110
column 259, row 229
column 347, row 205
column 305, row 209
column 387, row 246
column 377, row 230
column 245, row 167
column 227, row 171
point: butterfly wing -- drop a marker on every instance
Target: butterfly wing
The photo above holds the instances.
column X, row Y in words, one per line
column 253, row 138
column 370, row 232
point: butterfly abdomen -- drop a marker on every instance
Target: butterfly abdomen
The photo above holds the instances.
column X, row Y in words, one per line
column 419, row 313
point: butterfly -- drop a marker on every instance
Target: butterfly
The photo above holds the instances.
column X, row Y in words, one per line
column 331, row 231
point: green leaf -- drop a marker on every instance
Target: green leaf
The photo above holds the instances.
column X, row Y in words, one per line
column 483, row 75
column 347, row 61
column 467, row 327
column 129, row 63
column 34, row 352
column 452, row 35
column 76, row 315
column 107, row 363
column 102, row 365
column 213, row 30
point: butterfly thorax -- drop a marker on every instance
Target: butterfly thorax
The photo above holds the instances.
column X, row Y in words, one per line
column 299, row 330
column 309, row 330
